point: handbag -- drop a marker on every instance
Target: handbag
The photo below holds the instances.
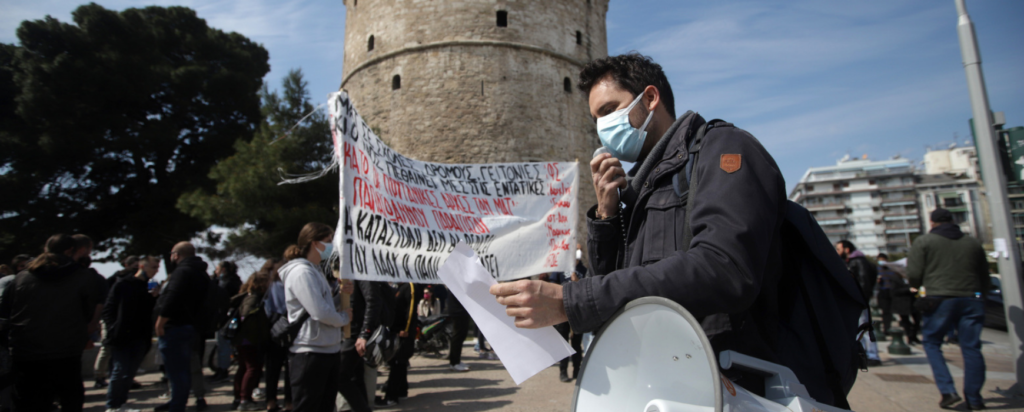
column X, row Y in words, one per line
column 928, row 304
column 381, row 347
column 230, row 328
column 282, row 332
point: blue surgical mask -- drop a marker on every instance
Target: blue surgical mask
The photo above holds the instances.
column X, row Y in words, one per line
column 326, row 253
column 622, row 140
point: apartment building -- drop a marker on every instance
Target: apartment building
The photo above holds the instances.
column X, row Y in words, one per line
column 872, row 203
column 952, row 180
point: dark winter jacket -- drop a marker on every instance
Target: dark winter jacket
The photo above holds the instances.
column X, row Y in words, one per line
column 947, row 263
column 49, row 310
column 728, row 274
column 254, row 328
column 127, row 313
column 864, row 272
column 368, row 307
column 121, row 274
column 183, row 299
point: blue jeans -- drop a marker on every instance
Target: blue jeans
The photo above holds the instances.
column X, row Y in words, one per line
column 223, row 351
column 176, row 349
column 967, row 316
column 125, row 360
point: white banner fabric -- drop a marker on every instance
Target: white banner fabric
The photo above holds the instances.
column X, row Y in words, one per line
column 401, row 218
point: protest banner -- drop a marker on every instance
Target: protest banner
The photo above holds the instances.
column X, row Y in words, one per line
column 401, row 218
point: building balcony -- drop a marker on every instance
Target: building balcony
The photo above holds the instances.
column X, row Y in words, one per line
column 898, row 231
column 829, row 206
column 894, row 203
column 901, row 217
column 833, row 222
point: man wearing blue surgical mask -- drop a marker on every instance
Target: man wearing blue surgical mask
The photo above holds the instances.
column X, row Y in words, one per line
column 723, row 264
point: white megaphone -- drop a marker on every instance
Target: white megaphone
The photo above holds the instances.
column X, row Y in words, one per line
column 653, row 356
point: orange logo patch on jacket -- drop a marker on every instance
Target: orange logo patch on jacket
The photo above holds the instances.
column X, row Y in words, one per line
column 731, row 162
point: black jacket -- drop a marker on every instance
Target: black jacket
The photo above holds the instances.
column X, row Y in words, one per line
column 49, row 310
column 121, row 274
column 864, row 272
column 728, row 276
column 368, row 307
column 128, row 312
column 183, row 298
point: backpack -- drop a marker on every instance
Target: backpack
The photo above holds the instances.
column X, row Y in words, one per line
column 816, row 293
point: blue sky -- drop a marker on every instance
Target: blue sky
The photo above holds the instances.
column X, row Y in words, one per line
column 812, row 80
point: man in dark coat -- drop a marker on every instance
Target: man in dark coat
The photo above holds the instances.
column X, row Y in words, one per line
column 49, row 307
column 367, row 312
column 866, row 275
column 726, row 275
column 180, row 307
column 127, row 318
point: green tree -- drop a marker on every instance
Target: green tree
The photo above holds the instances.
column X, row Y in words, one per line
column 266, row 215
column 104, row 123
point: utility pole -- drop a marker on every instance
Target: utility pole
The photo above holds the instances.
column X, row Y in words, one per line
column 995, row 186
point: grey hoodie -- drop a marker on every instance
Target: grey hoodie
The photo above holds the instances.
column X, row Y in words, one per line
column 306, row 290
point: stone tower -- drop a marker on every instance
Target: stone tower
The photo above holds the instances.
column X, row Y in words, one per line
column 477, row 81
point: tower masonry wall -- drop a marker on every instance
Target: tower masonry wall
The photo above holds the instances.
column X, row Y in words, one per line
column 444, row 83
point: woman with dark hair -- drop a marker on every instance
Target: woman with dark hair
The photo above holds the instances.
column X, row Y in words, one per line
column 253, row 333
column 315, row 359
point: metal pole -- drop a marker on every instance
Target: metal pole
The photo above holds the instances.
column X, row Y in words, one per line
column 995, row 186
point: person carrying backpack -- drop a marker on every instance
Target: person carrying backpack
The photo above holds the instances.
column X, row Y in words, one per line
column 250, row 337
column 702, row 224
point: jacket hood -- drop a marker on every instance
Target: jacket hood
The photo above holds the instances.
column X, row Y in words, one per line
column 855, row 254
column 194, row 262
column 948, row 230
column 64, row 267
column 293, row 264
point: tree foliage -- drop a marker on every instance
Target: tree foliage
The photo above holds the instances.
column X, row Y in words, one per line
column 268, row 216
column 104, row 123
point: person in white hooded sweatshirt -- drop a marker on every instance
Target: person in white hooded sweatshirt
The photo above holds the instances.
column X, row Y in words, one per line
column 315, row 355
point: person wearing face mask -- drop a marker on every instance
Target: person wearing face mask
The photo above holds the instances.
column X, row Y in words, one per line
column 181, row 308
column 722, row 263
column 126, row 316
column 315, row 354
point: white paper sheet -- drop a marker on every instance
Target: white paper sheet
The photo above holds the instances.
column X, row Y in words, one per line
column 524, row 352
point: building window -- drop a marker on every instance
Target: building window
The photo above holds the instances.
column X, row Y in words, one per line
column 567, row 85
column 579, row 37
column 396, row 82
column 369, row 44
column 502, row 18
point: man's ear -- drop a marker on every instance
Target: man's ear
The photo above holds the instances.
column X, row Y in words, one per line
column 653, row 98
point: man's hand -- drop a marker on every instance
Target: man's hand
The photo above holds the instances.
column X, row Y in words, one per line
column 348, row 287
column 160, row 322
column 403, row 334
column 534, row 304
column 608, row 178
column 361, row 346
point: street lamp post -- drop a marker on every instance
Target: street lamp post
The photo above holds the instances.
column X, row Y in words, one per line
column 995, row 186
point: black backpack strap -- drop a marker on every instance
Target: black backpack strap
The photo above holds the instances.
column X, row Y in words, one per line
column 687, row 181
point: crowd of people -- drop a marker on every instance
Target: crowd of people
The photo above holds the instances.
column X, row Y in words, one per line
column 290, row 316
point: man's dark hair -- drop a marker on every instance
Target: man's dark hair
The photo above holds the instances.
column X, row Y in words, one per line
column 18, row 260
column 131, row 262
column 60, row 243
column 883, row 256
column 847, row 245
column 82, row 241
column 633, row 72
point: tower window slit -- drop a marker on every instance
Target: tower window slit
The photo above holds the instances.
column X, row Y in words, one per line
column 396, row 82
column 502, row 18
column 567, row 85
column 369, row 44
column 579, row 37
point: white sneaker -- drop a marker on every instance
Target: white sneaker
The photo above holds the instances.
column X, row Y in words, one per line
column 258, row 394
column 462, row 367
column 248, row 406
column 493, row 356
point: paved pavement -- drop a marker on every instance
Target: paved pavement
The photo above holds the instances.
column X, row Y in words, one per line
column 903, row 383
